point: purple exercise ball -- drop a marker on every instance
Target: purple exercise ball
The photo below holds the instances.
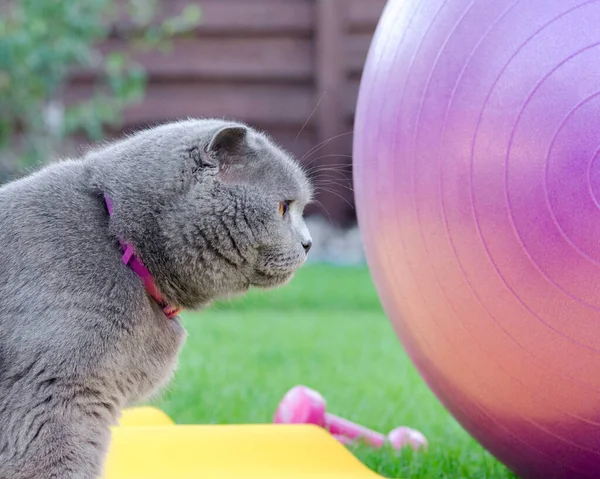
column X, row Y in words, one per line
column 477, row 178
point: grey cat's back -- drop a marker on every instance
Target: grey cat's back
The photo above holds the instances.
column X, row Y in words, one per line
column 59, row 257
column 50, row 229
column 36, row 349
column 64, row 290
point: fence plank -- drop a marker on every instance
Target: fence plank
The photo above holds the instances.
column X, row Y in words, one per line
column 330, row 74
column 224, row 17
column 260, row 104
column 330, row 32
column 363, row 15
column 229, row 58
column 356, row 49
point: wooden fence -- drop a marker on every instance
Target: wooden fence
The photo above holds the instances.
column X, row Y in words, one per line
column 289, row 67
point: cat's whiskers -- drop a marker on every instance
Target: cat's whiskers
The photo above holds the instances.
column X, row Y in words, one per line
column 335, row 193
column 322, row 144
column 341, row 185
column 309, row 117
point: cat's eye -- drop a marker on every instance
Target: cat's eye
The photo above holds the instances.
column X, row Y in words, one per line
column 284, row 207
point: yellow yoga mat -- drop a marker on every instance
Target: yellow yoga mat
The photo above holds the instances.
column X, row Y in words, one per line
column 145, row 416
column 147, row 445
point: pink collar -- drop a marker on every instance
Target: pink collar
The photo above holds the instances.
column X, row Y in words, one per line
column 135, row 263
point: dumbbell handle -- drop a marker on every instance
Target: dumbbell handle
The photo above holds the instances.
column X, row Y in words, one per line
column 339, row 426
column 302, row 405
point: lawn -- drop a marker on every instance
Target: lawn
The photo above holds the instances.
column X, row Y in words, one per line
column 325, row 330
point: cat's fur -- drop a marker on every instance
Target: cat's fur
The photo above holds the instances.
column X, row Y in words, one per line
column 80, row 338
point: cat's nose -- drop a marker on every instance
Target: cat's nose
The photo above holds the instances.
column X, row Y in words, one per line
column 307, row 245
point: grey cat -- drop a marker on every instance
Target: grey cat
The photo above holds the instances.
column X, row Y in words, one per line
column 211, row 208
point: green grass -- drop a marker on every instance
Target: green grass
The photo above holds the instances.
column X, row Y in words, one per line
column 325, row 330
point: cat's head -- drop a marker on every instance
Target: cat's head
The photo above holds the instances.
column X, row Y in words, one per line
column 212, row 207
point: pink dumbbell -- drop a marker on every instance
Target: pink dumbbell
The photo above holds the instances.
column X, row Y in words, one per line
column 302, row 405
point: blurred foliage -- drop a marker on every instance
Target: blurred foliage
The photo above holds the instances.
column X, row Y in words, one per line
column 43, row 41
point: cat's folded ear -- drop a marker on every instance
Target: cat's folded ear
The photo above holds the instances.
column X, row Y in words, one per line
column 227, row 146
